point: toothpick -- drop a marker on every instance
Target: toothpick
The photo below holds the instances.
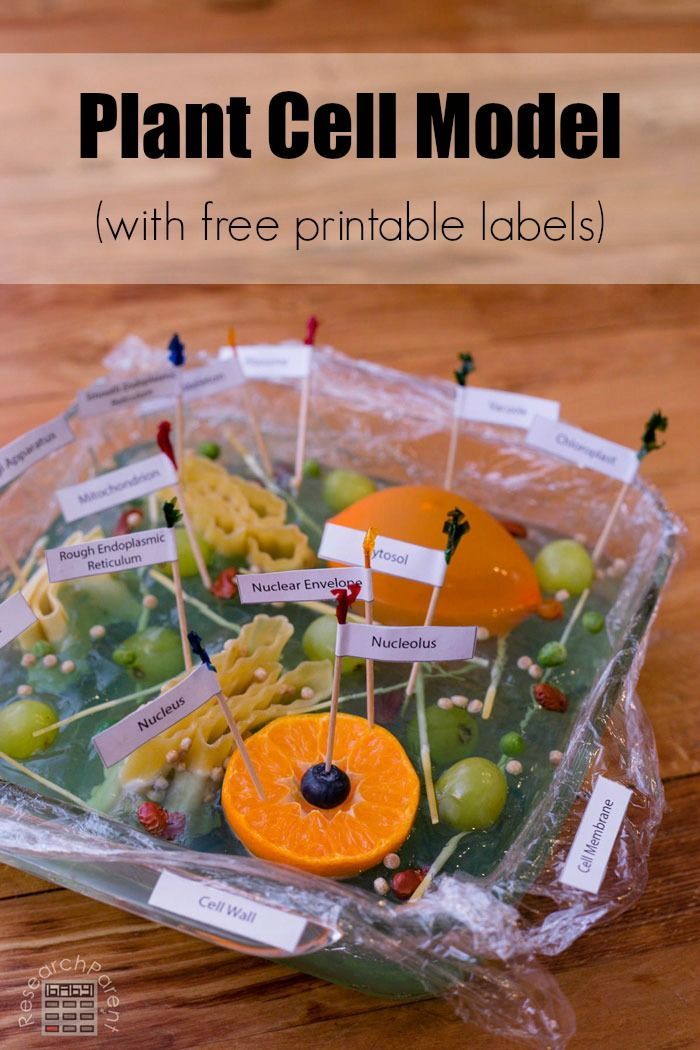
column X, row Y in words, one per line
column 496, row 675
column 176, row 355
column 199, row 650
column 165, row 445
column 426, row 760
column 461, row 375
column 343, row 600
column 649, row 443
column 172, row 516
column 302, row 425
column 368, row 549
column 253, row 422
column 455, row 527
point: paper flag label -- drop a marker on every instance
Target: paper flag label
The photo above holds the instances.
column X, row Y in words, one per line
column 590, row 851
column 21, row 453
column 107, row 396
column 15, row 616
column 281, row 361
column 481, row 405
column 118, row 486
column 393, row 557
column 150, row 719
column 301, row 585
column 583, row 449
column 242, row 916
column 111, row 554
column 405, row 644
column 215, row 377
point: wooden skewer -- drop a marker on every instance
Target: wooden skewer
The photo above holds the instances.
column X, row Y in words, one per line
column 240, row 744
column 332, row 717
column 253, row 421
column 368, row 548
column 451, row 453
column 302, row 427
column 429, row 616
column 181, row 615
column 180, row 429
column 191, row 536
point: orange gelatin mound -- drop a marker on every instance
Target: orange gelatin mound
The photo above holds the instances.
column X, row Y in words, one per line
column 490, row 581
column 374, row 820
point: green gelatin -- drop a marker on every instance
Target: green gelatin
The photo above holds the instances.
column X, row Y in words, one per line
column 318, row 643
column 188, row 565
column 151, row 656
column 471, row 794
column 341, row 488
column 552, row 654
column 452, row 734
column 18, row 723
column 512, row 744
column 564, row 565
column 593, row 621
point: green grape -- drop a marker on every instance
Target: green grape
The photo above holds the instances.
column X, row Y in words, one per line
column 318, row 643
column 552, row 654
column 593, row 621
column 151, row 656
column 512, row 744
column 564, row 564
column 210, row 449
column 343, row 487
column 312, row 468
column 471, row 794
column 188, row 566
column 452, row 734
column 18, row 722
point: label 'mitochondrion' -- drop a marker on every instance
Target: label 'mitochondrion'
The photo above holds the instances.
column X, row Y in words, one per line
column 117, row 486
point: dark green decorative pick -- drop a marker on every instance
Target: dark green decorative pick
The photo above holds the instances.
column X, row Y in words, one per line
column 657, row 421
column 171, row 514
column 456, row 526
column 465, row 369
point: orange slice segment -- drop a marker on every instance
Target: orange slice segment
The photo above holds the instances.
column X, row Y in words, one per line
column 490, row 581
column 374, row 820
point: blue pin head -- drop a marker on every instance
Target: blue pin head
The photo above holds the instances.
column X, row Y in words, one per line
column 199, row 650
column 176, row 351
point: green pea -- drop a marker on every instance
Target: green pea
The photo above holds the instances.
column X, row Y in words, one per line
column 42, row 648
column 593, row 621
column 312, row 469
column 210, row 449
column 512, row 744
column 552, row 654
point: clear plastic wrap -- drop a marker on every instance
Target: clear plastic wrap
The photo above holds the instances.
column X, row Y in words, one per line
column 477, row 941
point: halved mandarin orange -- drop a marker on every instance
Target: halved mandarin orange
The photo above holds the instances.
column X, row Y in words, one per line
column 490, row 581
column 374, row 820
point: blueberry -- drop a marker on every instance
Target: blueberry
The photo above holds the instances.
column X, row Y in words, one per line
column 325, row 789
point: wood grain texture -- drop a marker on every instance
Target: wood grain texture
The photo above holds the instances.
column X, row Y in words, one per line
column 610, row 355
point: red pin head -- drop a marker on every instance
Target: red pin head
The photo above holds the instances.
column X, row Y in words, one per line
column 344, row 598
column 164, row 442
column 311, row 327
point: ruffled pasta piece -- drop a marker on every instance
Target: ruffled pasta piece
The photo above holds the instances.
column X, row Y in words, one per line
column 256, row 688
column 45, row 601
column 241, row 519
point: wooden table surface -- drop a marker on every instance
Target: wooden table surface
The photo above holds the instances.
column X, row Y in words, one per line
column 610, row 354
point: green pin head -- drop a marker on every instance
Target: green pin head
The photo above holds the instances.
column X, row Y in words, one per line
column 171, row 514
column 465, row 369
column 657, row 421
column 456, row 526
